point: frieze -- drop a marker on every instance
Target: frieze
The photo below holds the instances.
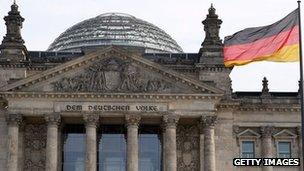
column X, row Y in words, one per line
column 109, row 107
column 112, row 75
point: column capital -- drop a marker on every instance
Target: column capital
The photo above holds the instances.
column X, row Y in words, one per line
column 91, row 119
column 53, row 119
column 208, row 121
column 132, row 120
column 299, row 130
column 267, row 131
column 14, row 119
column 170, row 120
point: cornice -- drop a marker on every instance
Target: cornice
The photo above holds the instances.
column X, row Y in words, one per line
column 237, row 106
column 54, row 95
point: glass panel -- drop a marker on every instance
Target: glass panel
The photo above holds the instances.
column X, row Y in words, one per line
column 284, row 150
column 149, row 149
column 73, row 148
column 247, row 149
column 112, row 149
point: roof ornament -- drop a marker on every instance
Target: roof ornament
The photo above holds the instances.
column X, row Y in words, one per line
column 265, row 89
column 12, row 47
column 212, row 11
column 212, row 25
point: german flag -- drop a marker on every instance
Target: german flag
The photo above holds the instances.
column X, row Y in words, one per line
column 278, row 42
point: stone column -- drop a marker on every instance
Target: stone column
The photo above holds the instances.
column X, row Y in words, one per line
column 53, row 121
column 91, row 121
column 13, row 122
column 201, row 146
column 267, row 145
column 170, row 160
column 132, row 122
column 299, row 130
column 208, row 123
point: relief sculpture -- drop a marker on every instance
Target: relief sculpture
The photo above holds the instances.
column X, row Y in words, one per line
column 187, row 148
column 112, row 75
column 34, row 147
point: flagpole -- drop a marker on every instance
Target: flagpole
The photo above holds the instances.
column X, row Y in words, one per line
column 301, row 79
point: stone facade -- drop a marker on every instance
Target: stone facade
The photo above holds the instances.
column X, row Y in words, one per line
column 203, row 123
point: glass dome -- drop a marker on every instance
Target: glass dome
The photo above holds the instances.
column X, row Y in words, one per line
column 115, row 29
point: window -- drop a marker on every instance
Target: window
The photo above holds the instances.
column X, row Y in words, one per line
column 112, row 148
column 73, row 153
column 150, row 152
column 284, row 150
column 247, row 150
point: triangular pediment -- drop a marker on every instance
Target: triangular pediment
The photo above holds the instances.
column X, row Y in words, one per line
column 248, row 133
column 285, row 134
column 111, row 70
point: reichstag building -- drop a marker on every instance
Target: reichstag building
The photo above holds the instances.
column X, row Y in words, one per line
column 116, row 93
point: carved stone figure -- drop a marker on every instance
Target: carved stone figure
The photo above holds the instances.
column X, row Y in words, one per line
column 112, row 75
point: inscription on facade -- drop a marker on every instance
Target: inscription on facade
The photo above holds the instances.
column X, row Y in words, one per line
column 110, row 107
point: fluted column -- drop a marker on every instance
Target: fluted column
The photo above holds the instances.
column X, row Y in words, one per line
column 201, row 146
column 267, row 144
column 132, row 122
column 13, row 121
column 91, row 121
column 170, row 160
column 53, row 121
column 299, row 130
column 208, row 123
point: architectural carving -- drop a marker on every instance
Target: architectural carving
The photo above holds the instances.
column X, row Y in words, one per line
column 170, row 120
column 265, row 89
column 91, row 119
column 208, row 121
column 267, row 131
column 212, row 26
column 34, row 147
column 14, row 119
column 112, row 75
column 188, row 148
column 132, row 120
column 53, row 119
column 12, row 47
column 236, row 130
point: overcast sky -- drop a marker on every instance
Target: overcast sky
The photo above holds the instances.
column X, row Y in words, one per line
column 46, row 19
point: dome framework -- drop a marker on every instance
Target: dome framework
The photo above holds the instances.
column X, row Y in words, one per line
column 115, row 29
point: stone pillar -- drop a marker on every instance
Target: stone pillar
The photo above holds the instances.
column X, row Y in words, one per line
column 170, row 160
column 53, row 121
column 13, row 121
column 132, row 122
column 91, row 121
column 299, row 130
column 267, row 146
column 201, row 146
column 208, row 123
